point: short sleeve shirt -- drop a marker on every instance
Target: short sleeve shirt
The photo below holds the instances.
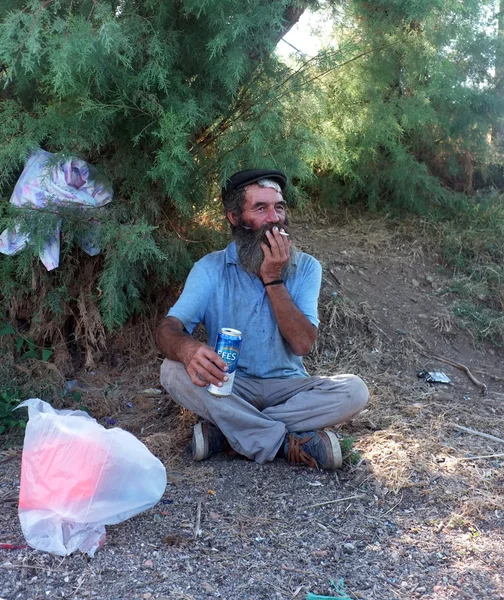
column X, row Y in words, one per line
column 220, row 293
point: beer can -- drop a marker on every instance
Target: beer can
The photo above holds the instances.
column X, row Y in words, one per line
column 228, row 348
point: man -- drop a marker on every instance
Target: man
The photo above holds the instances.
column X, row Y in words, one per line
column 269, row 291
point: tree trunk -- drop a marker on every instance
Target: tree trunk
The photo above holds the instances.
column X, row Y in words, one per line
column 498, row 124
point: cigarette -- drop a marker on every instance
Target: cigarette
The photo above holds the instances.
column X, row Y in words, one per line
column 283, row 233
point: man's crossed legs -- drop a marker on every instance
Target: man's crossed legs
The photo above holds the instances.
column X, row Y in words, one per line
column 260, row 414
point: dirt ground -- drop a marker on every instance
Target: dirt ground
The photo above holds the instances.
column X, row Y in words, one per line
column 419, row 516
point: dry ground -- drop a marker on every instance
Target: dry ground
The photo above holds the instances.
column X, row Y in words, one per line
column 419, row 516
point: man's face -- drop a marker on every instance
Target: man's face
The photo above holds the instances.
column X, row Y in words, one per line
column 262, row 206
column 263, row 209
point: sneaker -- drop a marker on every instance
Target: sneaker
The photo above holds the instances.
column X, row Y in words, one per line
column 207, row 440
column 317, row 449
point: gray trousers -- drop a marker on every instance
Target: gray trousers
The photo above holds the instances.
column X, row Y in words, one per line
column 259, row 412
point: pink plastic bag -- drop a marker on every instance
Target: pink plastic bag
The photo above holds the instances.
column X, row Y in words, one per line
column 77, row 477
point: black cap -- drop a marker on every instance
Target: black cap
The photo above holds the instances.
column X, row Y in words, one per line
column 243, row 178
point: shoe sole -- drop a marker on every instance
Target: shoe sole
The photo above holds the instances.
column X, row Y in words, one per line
column 198, row 442
column 335, row 458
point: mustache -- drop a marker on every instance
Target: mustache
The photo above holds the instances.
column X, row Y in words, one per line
column 258, row 236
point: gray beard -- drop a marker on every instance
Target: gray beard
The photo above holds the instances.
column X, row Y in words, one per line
column 250, row 253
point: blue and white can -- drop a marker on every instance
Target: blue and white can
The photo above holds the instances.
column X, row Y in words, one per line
column 228, row 348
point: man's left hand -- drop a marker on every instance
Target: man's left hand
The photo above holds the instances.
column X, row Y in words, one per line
column 276, row 256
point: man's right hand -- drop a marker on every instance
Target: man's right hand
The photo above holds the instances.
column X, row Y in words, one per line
column 203, row 365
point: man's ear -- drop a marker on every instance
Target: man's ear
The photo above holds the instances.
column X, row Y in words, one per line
column 232, row 217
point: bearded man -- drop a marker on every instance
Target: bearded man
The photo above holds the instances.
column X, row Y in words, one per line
column 263, row 287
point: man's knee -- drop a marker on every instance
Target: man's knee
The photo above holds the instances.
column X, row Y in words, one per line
column 171, row 371
column 359, row 392
column 354, row 391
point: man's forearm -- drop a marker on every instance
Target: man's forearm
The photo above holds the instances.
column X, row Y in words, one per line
column 294, row 326
column 172, row 340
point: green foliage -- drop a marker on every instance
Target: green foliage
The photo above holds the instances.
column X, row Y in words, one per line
column 409, row 121
column 25, row 346
column 8, row 420
column 168, row 99
column 22, row 378
column 136, row 88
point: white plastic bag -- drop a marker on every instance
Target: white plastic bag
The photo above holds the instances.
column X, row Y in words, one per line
column 68, row 183
column 77, row 477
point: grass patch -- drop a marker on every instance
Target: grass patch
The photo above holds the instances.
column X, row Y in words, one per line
column 350, row 456
column 472, row 244
column 488, row 324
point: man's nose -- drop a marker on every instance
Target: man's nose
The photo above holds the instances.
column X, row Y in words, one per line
column 272, row 216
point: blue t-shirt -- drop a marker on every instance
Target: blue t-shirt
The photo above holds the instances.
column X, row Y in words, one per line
column 220, row 293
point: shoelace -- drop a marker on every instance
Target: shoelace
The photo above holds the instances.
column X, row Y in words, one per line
column 297, row 455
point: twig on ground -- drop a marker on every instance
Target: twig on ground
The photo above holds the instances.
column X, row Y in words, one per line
column 80, row 581
column 285, row 567
column 8, row 459
column 380, row 330
column 30, row 567
column 395, row 506
column 12, row 499
column 484, row 456
column 335, row 278
column 475, row 432
column 335, row 501
column 197, row 529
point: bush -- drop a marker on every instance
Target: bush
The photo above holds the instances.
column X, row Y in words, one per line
column 8, row 419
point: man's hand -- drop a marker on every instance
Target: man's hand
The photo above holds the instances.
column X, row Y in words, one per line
column 203, row 365
column 276, row 256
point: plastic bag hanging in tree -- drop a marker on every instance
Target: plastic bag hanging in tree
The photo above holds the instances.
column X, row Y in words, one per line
column 71, row 182
column 77, row 477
